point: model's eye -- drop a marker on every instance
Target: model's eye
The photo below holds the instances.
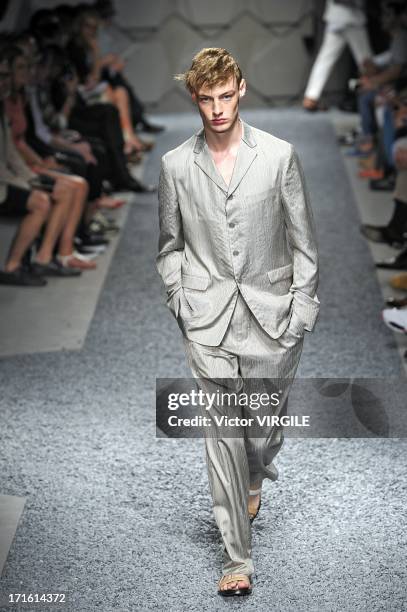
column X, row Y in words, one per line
column 203, row 99
column 227, row 97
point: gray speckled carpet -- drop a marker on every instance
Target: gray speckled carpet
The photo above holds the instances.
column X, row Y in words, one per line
column 120, row 520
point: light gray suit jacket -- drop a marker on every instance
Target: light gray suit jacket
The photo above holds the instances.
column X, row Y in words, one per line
column 256, row 236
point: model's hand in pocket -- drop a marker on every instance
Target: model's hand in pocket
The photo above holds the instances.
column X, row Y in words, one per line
column 179, row 305
column 173, row 302
column 294, row 332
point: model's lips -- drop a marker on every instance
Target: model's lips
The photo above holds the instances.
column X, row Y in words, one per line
column 218, row 121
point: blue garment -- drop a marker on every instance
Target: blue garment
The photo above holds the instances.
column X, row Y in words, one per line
column 367, row 113
column 389, row 135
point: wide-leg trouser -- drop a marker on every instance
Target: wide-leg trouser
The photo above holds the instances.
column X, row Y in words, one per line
column 331, row 49
column 237, row 463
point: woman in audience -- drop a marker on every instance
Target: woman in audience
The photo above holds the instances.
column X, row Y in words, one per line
column 33, row 183
column 18, row 197
column 100, row 121
column 46, row 136
column 74, row 188
column 113, row 71
column 84, row 53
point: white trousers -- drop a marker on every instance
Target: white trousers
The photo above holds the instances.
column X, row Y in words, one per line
column 331, row 49
column 256, row 363
column 400, row 192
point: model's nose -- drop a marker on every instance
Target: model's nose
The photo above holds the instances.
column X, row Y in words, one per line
column 216, row 109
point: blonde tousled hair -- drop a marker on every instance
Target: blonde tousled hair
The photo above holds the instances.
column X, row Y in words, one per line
column 211, row 66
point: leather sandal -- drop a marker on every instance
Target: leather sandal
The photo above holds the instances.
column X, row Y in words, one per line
column 252, row 515
column 233, row 579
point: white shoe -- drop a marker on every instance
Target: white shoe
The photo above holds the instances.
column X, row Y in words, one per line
column 85, row 256
column 396, row 319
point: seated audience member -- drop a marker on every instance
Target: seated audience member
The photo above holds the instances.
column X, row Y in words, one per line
column 19, row 198
column 45, row 134
column 386, row 74
column 84, row 53
column 395, row 233
column 74, row 188
column 114, row 65
column 100, row 122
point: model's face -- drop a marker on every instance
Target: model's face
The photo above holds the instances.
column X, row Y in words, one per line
column 219, row 106
column 5, row 80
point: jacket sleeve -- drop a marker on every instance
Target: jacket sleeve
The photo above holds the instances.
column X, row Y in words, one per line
column 302, row 238
column 171, row 240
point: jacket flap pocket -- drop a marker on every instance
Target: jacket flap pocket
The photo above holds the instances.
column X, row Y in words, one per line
column 261, row 196
column 190, row 281
column 280, row 273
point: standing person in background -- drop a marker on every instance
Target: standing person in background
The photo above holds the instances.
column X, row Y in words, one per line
column 345, row 25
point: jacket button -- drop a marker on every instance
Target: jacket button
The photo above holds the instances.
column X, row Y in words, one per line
column 230, row 197
column 231, row 225
column 235, row 253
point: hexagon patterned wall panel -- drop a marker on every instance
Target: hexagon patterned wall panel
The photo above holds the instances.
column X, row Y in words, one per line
column 143, row 13
column 281, row 11
column 211, row 12
column 266, row 36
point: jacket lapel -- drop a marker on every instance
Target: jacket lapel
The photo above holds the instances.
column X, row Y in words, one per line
column 204, row 160
column 244, row 159
column 246, row 155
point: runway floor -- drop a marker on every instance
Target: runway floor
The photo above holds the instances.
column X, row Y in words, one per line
column 119, row 519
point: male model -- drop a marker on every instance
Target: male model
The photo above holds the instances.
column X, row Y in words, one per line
column 238, row 257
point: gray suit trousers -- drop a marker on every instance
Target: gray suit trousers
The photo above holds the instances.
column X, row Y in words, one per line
column 251, row 358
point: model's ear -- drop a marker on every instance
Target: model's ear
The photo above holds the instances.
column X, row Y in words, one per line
column 194, row 98
column 242, row 88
